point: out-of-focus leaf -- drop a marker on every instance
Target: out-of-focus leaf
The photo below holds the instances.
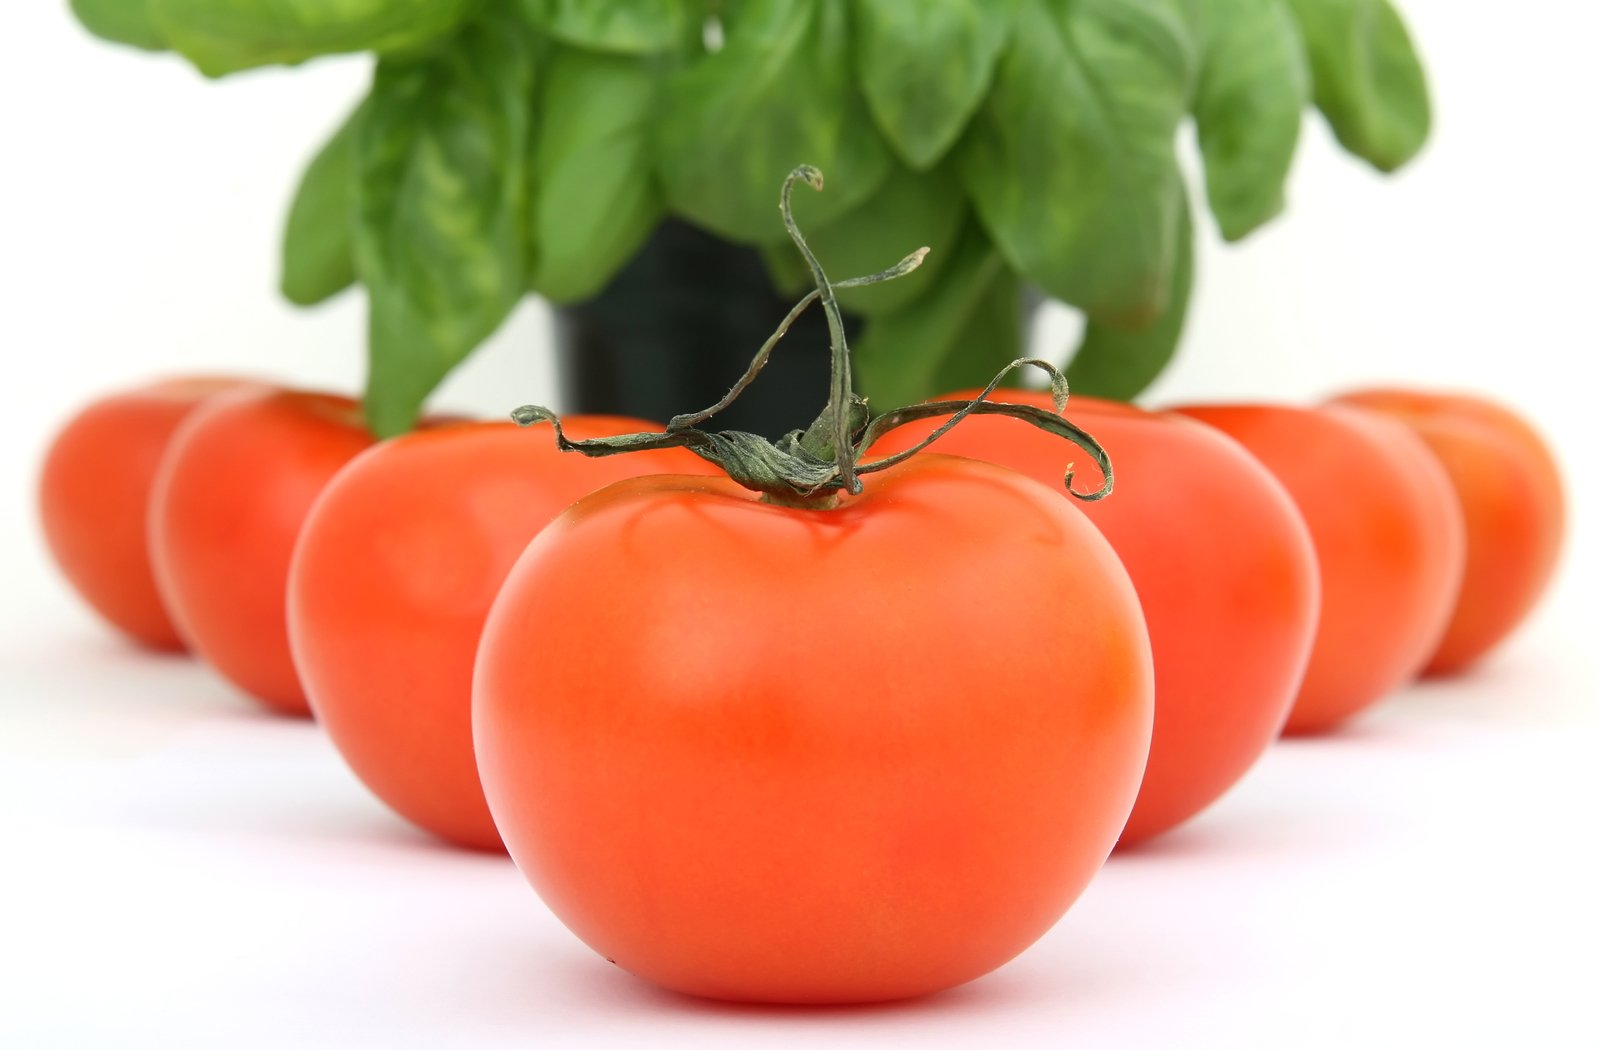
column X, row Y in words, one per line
column 593, row 191
column 777, row 95
column 1120, row 362
column 1071, row 160
column 910, row 211
column 318, row 238
column 947, row 338
column 224, row 36
column 441, row 158
column 628, row 27
column 924, row 66
column 121, row 21
column 1250, row 100
column 1368, row 81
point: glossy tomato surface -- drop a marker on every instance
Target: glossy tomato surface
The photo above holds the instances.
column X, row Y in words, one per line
column 754, row 752
column 94, row 501
column 1389, row 539
column 229, row 500
column 392, row 579
column 1515, row 511
column 1224, row 570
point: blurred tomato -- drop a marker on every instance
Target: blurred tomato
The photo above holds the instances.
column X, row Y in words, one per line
column 228, row 503
column 1510, row 490
column 391, row 581
column 94, row 497
column 1389, row 539
column 1223, row 566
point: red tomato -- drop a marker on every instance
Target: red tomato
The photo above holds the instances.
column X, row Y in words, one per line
column 94, row 495
column 755, row 752
column 1510, row 490
column 391, row 581
column 1389, row 541
column 1224, row 569
column 228, row 503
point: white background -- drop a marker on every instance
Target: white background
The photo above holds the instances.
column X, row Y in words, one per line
column 177, row 869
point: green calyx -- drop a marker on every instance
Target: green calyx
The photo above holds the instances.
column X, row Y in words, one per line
column 812, row 467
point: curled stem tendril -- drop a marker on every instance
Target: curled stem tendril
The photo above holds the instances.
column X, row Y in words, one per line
column 809, row 467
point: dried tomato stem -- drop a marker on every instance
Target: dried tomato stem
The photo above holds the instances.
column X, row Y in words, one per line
column 811, row 468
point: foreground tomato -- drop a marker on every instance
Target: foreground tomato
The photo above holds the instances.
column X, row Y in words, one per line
column 392, row 579
column 1389, row 542
column 1509, row 488
column 229, row 500
column 1224, row 569
column 94, row 501
column 759, row 752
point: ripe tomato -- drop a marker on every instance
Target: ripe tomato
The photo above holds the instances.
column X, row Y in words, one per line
column 757, row 752
column 1389, row 541
column 1510, row 490
column 228, row 502
column 94, row 495
column 1224, row 569
column 391, row 581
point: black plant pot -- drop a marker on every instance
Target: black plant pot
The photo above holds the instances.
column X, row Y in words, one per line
column 677, row 327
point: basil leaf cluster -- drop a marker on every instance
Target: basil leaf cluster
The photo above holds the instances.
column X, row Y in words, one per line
column 509, row 146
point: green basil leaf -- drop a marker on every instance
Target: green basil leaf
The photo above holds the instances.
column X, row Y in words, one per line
column 1120, row 362
column 1248, row 107
column 121, row 21
column 318, row 238
column 441, row 157
column 1368, row 80
column 224, row 36
column 910, row 211
column 593, row 191
column 1071, row 160
column 925, row 65
column 777, row 95
column 937, row 343
column 628, row 27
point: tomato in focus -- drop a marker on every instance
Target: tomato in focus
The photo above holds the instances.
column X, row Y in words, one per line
column 94, row 501
column 1389, row 539
column 390, row 583
column 757, row 752
column 228, row 502
column 1224, row 570
column 1514, row 504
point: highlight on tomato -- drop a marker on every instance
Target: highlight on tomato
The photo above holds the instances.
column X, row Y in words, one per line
column 390, row 583
column 822, row 730
column 1389, row 541
column 1225, row 572
column 227, row 504
column 94, row 501
column 1514, row 504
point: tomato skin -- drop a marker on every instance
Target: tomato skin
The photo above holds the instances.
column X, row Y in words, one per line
column 229, row 499
column 758, row 753
column 94, row 495
column 1389, row 539
column 1515, row 511
column 1223, row 566
column 391, row 581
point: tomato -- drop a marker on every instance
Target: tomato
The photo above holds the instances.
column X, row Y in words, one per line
column 228, row 502
column 1389, row 539
column 1510, row 491
column 390, row 583
column 759, row 752
column 94, row 495
column 1224, row 569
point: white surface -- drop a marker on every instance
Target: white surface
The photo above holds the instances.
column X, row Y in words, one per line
column 184, row 871
column 181, row 871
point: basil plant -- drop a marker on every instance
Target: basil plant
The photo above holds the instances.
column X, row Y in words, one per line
column 509, row 146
